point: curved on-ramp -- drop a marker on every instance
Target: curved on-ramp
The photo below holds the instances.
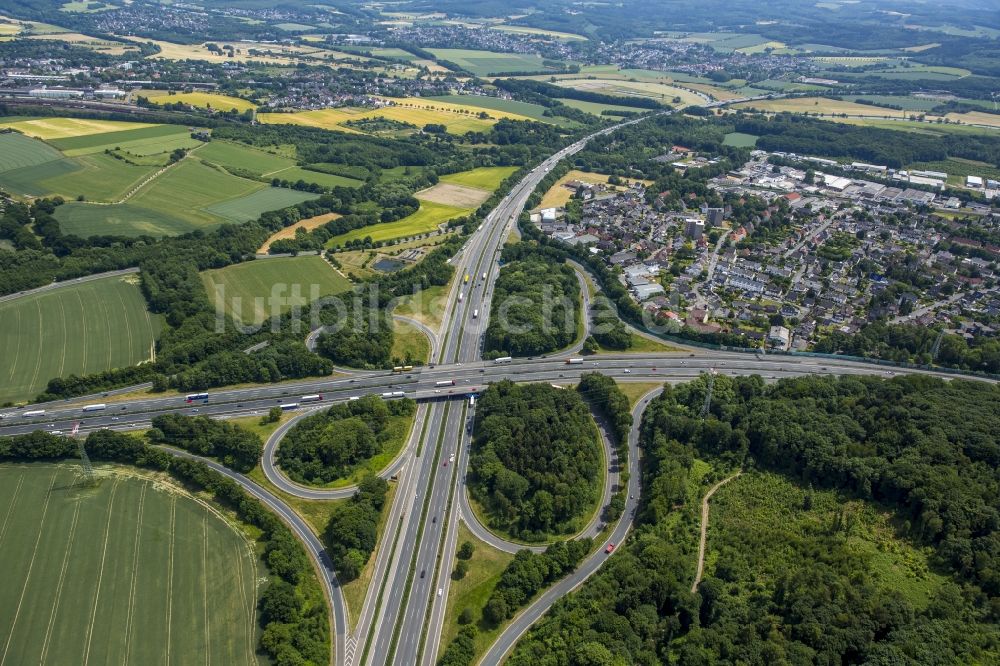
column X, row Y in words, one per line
column 498, row 651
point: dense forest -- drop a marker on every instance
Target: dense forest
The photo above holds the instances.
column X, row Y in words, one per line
column 327, row 446
column 535, row 308
column 536, row 459
column 351, row 534
column 908, row 343
column 233, row 446
column 892, row 148
column 809, row 595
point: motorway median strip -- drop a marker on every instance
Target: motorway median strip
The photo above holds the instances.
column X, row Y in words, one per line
column 413, row 558
column 444, row 536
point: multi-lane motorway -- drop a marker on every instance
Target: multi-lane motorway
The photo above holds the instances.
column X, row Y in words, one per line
column 402, row 616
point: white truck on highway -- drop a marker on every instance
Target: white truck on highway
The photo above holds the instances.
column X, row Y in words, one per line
column 95, row 408
column 33, row 412
column 574, row 361
column 502, row 360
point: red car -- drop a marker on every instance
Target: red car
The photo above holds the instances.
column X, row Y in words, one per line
column 445, row 464
column 610, row 549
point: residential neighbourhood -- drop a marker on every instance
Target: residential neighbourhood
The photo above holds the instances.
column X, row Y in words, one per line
column 847, row 251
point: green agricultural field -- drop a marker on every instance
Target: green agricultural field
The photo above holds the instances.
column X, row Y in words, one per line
column 131, row 571
column 485, row 63
column 99, row 177
column 28, row 181
column 294, row 174
column 76, row 329
column 596, row 108
column 154, row 210
column 483, row 178
column 526, row 109
column 18, row 151
column 236, row 155
column 254, row 290
column 144, row 140
column 425, row 220
column 249, row 207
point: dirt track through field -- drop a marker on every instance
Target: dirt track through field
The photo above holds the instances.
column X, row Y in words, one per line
column 704, row 529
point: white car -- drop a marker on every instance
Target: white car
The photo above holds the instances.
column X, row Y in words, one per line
column 627, row 371
column 440, row 590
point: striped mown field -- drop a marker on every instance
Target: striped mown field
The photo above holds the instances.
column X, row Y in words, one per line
column 131, row 571
column 76, row 329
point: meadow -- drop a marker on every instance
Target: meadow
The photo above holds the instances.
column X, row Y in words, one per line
column 254, row 290
column 473, row 590
column 77, row 329
column 483, row 178
column 740, row 140
column 425, row 220
column 409, row 344
column 485, row 63
column 765, row 520
column 132, row 571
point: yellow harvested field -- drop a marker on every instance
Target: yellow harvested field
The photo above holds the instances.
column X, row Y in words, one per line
column 921, row 47
column 818, row 105
column 278, row 54
column 849, row 61
column 760, row 48
column 458, row 118
column 454, row 195
column 106, row 46
column 289, row 232
column 717, row 92
column 431, row 66
column 558, row 195
column 63, row 128
column 200, row 99
column 657, row 91
column 975, row 118
column 555, row 34
column 9, row 29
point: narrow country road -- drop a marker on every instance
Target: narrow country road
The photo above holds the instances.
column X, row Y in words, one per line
column 704, row 529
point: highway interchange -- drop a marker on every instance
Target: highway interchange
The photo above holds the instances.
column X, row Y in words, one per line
column 403, row 614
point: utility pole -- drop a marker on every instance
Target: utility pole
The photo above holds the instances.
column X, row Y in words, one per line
column 708, row 394
column 937, row 345
column 88, row 469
